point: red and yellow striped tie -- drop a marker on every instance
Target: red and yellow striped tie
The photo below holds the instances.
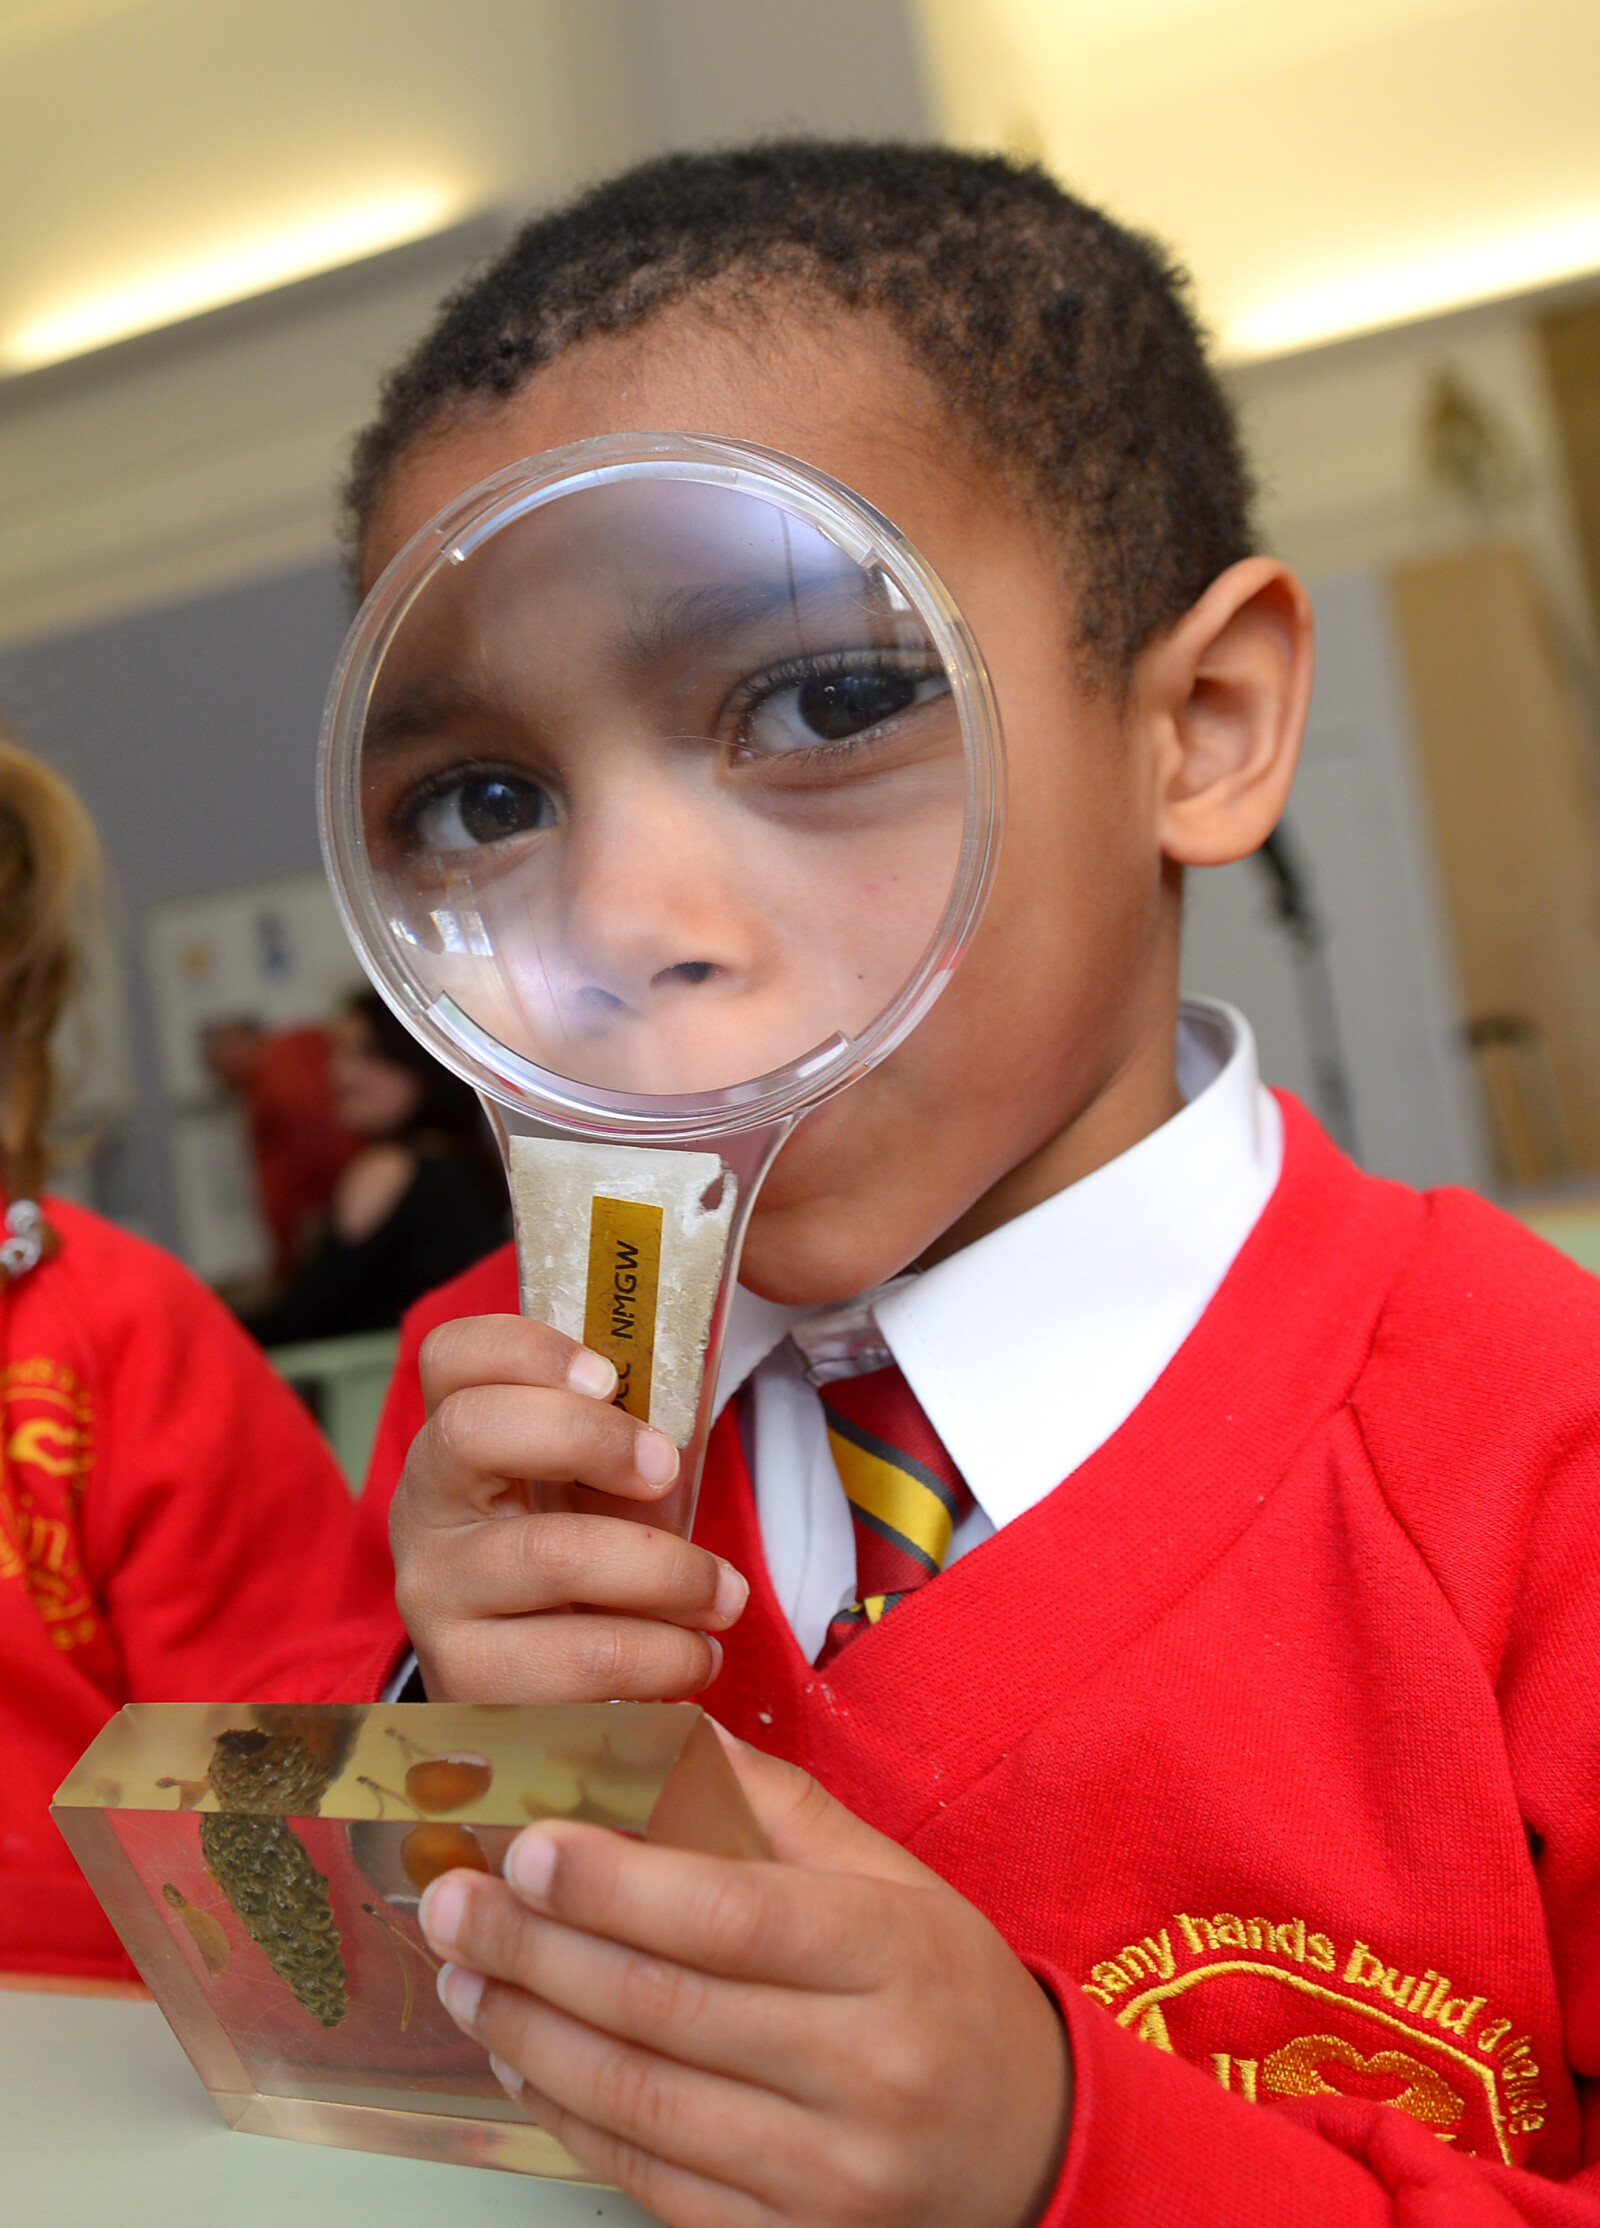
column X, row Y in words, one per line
column 906, row 1495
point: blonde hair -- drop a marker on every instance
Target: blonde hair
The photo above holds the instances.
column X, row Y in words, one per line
column 49, row 882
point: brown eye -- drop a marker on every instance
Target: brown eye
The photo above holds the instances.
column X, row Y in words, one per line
column 847, row 703
column 815, row 704
column 465, row 811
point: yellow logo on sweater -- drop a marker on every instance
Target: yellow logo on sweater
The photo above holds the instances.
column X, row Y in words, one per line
column 1275, row 2008
column 47, row 1445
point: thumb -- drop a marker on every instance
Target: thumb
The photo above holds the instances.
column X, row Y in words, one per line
column 805, row 1826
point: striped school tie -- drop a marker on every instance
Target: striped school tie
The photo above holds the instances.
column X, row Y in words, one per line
column 906, row 1495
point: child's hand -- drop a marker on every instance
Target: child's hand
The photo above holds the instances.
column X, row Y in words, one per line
column 836, row 2038
column 514, row 1584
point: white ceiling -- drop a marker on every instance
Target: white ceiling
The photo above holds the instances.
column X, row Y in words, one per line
column 1323, row 166
column 141, row 140
column 147, row 143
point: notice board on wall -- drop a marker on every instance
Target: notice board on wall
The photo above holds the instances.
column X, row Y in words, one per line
column 272, row 953
column 269, row 952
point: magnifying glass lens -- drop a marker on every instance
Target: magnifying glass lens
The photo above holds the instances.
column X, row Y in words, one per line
column 662, row 785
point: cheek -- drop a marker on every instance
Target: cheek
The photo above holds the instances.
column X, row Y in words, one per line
column 1034, row 1022
column 867, row 1184
column 1074, row 900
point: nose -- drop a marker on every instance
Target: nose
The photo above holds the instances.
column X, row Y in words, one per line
column 653, row 903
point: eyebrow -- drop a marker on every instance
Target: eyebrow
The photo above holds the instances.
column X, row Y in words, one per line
column 421, row 709
column 714, row 611
column 718, row 610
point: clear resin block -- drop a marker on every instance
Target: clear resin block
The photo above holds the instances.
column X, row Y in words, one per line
column 263, row 1865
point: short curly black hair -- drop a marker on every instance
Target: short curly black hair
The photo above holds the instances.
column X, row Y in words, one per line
column 1062, row 345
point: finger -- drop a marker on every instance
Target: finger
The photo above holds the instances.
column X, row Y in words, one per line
column 771, row 1923
column 485, row 1442
column 745, row 2030
column 805, row 1826
column 726, row 2131
column 523, row 1565
column 557, row 1658
column 508, row 1350
column 670, row 2195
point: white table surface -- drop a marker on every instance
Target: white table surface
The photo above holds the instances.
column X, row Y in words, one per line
column 104, row 2124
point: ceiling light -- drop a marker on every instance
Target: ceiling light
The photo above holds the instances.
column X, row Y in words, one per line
column 228, row 273
column 1425, row 287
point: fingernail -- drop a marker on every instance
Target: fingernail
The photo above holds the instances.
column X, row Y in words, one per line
column 592, row 1374
column 715, row 1645
column 441, row 1911
column 461, row 1992
column 508, row 2077
column 655, row 1458
column 733, row 1591
column 531, row 1863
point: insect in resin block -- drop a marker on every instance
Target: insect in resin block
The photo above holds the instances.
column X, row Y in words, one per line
column 263, row 1864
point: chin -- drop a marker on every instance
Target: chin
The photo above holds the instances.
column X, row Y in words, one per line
column 800, row 1268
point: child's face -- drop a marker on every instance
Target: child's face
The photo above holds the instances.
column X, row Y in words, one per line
column 1053, row 1044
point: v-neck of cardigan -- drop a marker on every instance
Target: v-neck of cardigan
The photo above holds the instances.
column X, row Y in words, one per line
column 1119, row 1542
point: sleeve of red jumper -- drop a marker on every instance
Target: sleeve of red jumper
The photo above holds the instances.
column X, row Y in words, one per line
column 1157, row 2144
column 216, row 1522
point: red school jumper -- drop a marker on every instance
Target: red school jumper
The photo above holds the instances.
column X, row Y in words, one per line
column 168, row 1514
column 1271, row 1739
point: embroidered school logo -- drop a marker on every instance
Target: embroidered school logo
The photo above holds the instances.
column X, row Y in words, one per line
column 1301, row 2068
column 47, row 1440
column 1274, row 2008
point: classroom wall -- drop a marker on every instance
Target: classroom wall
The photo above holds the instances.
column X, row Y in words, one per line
column 1337, row 439
column 191, row 733
column 709, row 72
column 1337, row 436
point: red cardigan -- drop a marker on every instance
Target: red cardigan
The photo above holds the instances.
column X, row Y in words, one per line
column 167, row 1510
column 1270, row 1739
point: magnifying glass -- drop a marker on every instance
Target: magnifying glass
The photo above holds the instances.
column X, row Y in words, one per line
column 661, row 793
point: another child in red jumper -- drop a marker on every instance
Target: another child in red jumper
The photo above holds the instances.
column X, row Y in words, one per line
column 168, row 1511
column 1217, row 1837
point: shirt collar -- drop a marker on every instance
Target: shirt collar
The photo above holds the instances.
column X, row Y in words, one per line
column 1032, row 1345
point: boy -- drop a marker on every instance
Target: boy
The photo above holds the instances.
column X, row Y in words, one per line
column 1225, row 1810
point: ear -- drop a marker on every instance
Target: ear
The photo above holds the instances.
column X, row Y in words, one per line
column 1223, row 695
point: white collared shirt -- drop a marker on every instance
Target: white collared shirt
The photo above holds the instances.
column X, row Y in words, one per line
column 1031, row 1346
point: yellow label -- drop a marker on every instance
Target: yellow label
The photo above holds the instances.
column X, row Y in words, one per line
column 619, row 1318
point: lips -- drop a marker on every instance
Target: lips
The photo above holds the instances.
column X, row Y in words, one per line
column 1327, row 2065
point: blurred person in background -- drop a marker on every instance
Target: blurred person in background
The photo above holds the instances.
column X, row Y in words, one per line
column 298, row 1145
column 422, row 1200
column 164, row 1498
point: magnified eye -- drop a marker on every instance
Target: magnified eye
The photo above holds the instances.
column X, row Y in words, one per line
column 833, row 705
column 462, row 810
column 832, row 708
